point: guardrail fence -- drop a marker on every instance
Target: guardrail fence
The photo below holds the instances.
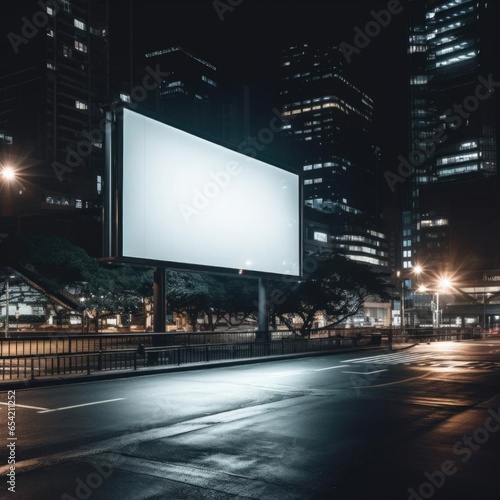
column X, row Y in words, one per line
column 27, row 358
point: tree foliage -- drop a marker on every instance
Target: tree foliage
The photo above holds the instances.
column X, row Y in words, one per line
column 66, row 268
column 191, row 294
column 336, row 287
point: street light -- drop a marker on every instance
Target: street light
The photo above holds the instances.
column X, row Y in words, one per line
column 443, row 284
column 9, row 174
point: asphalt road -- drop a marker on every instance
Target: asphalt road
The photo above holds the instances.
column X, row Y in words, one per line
column 419, row 423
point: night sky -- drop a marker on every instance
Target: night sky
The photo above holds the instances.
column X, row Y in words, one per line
column 246, row 46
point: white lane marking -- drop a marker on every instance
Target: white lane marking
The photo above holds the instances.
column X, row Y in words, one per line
column 367, row 373
column 392, row 359
column 79, row 406
column 330, row 368
column 25, row 406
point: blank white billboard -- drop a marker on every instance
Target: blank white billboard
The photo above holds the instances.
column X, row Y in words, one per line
column 185, row 200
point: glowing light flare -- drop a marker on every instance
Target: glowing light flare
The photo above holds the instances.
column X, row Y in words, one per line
column 444, row 284
column 8, row 173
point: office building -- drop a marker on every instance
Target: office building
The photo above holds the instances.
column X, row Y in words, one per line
column 329, row 124
column 54, row 80
column 454, row 134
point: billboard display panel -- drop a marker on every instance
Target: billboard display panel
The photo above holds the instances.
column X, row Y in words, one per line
column 188, row 201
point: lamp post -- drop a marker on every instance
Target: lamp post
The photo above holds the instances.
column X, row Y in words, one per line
column 443, row 284
column 7, row 298
column 437, row 311
column 8, row 175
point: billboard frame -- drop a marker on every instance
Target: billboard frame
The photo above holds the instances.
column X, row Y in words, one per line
column 113, row 199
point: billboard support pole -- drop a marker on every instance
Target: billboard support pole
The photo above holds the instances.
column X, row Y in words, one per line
column 263, row 333
column 159, row 299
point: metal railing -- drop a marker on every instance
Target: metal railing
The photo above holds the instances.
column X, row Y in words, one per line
column 58, row 342
column 441, row 334
column 31, row 367
column 37, row 357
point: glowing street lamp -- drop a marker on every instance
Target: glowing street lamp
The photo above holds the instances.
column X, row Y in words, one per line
column 9, row 174
column 443, row 284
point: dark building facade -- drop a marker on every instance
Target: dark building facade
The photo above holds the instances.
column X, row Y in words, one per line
column 194, row 95
column 453, row 53
column 54, row 79
column 329, row 126
column 188, row 90
column 452, row 222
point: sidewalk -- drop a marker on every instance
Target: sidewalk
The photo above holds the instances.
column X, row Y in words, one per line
column 96, row 376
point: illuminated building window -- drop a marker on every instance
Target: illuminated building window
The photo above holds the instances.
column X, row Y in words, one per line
column 80, row 46
column 468, row 145
column 457, row 158
column 209, row 81
column 434, row 222
column 80, row 25
column 8, row 139
column 81, row 105
column 322, row 237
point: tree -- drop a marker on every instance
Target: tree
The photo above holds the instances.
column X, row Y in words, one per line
column 238, row 301
column 192, row 294
column 66, row 268
column 337, row 287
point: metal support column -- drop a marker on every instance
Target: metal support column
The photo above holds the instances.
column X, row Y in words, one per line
column 159, row 313
column 159, row 300
column 263, row 333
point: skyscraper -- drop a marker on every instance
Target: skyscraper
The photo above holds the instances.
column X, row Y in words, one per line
column 189, row 88
column 54, row 78
column 454, row 135
column 329, row 125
